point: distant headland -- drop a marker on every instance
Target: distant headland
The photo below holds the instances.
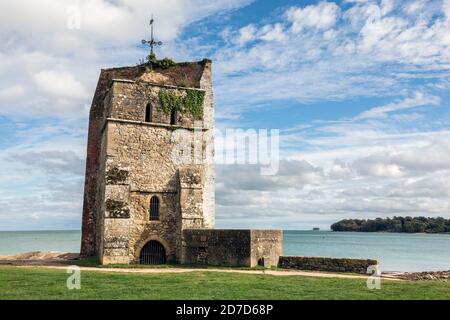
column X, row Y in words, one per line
column 395, row 224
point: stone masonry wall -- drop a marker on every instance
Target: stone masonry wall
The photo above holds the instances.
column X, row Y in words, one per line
column 91, row 208
column 140, row 163
column 326, row 264
column 129, row 100
column 231, row 247
column 193, row 75
column 266, row 247
column 206, row 83
column 216, row 247
column 190, row 192
column 144, row 152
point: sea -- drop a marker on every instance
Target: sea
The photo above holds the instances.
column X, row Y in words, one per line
column 397, row 252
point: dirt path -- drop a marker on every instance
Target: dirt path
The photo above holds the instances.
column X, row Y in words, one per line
column 187, row 270
column 54, row 260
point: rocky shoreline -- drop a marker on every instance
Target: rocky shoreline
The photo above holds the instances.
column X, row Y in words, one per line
column 38, row 258
column 426, row 275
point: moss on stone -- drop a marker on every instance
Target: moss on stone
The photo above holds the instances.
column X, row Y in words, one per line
column 116, row 176
column 117, row 209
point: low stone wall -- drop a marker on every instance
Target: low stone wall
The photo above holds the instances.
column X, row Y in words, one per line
column 326, row 264
column 232, row 247
column 216, row 247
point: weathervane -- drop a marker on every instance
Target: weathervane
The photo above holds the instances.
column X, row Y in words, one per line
column 152, row 41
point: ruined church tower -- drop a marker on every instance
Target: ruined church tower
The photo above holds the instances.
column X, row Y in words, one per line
column 139, row 196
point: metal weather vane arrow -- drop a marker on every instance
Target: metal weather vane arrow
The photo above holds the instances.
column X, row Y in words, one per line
column 152, row 43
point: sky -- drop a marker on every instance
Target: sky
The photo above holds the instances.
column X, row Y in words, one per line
column 359, row 91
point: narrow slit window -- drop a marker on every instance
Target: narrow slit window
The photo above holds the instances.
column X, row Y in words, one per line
column 173, row 117
column 154, row 208
column 149, row 113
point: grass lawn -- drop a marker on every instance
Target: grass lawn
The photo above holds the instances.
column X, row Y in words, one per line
column 40, row 283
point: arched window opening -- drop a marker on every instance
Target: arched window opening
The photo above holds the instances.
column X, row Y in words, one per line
column 149, row 113
column 173, row 117
column 154, row 208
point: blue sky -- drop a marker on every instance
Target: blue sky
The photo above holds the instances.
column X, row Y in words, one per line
column 358, row 89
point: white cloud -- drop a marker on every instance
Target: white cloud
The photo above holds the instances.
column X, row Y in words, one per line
column 378, row 166
column 446, row 8
column 378, row 29
column 387, row 6
column 321, row 16
column 59, row 65
column 273, row 33
column 431, row 157
column 340, row 170
column 419, row 99
column 364, row 50
column 60, row 83
column 53, row 162
column 11, row 93
column 414, row 6
column 291, row 174
column 102, row 22
column 405, row 176
column 246, row 34
column 43, row 164
column 407, row 117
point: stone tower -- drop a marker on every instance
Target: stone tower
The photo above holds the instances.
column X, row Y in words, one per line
column 138, row 190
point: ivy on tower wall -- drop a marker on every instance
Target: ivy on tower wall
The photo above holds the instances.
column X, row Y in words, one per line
column 191, row 102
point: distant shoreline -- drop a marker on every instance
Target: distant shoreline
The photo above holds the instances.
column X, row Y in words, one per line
column 354, row 231
column 412, row 225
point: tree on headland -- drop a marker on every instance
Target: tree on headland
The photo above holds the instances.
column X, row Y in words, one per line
column 395, row 224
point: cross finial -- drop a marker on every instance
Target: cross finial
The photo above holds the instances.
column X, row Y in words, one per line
column 152, row 41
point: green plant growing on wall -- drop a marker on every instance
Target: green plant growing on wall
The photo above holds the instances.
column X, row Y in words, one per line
column 191, row 102
column 163, row 64
column 169, row 101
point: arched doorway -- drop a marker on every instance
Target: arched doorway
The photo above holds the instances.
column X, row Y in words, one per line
column 153, row 253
